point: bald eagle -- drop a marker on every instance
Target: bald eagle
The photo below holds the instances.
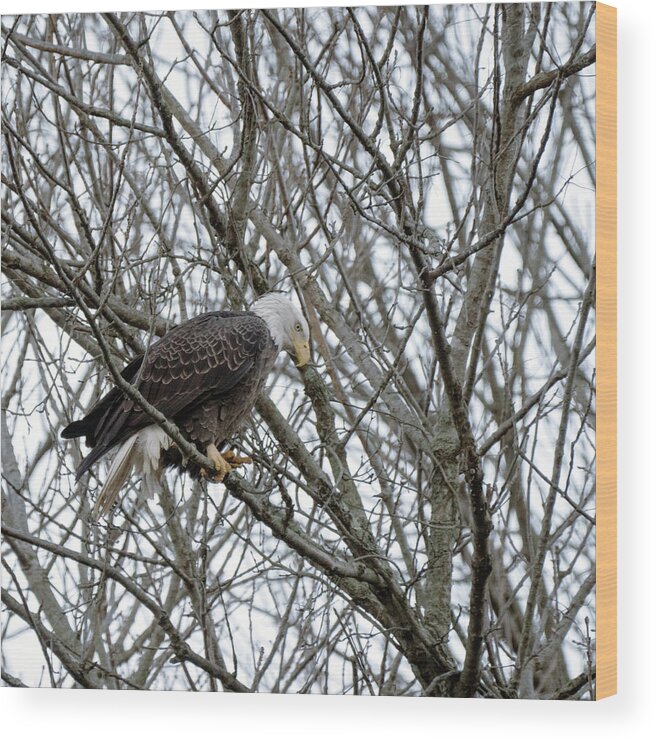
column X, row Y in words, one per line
column 204, row 375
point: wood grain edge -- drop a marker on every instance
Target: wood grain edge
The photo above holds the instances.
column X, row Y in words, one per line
column 606, row 238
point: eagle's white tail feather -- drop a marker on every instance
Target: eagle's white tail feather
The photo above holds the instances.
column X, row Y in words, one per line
column 153, row 440
column 119, row 472
column 140, row 451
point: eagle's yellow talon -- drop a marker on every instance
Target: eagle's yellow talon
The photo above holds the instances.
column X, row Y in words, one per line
column 221, row 466
column 236, row 460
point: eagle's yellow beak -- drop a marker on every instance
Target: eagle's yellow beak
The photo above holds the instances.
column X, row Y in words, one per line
column 302, row 351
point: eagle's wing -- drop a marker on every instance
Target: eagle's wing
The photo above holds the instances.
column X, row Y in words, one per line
column 204, row 357
column 93, row 420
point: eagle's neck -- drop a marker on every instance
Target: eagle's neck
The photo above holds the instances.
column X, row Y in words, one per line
column 270, row 314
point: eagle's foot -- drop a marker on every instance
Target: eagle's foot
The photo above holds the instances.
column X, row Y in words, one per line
column 236, row 460
column 221, row 466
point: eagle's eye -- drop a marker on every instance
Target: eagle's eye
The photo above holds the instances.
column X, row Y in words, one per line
column 297, row 327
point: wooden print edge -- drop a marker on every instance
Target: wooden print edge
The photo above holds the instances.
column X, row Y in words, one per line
column 606, row 438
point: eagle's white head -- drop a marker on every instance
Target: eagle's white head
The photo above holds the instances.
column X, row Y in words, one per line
column 287, row 325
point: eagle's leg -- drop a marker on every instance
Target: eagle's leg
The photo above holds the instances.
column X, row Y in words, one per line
column 236, row 460
column 221, row 466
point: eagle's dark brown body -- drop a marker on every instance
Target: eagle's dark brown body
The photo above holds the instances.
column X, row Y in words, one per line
column 204, row 375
